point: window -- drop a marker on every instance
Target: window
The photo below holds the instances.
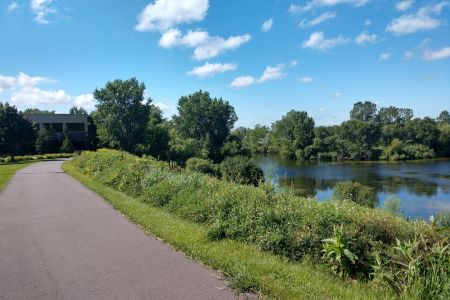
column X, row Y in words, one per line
column 57, row 127
column 71, row 127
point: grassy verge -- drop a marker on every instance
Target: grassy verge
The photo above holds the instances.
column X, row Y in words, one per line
column 247, row 267
column 7, row 171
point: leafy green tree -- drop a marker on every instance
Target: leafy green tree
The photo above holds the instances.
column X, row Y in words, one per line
column 242, row 170
column 156, row 142
column 256, row 140
column 294, row 131
column 37, row 111
column 364, row 111
column 77, row 111
column 15, row 130
column 67, row 146
column 355, row 192
column 205, row 119
column 122, row 114
column 423, row 131
column 444, row 118
column 362, row 137
column 444, row 140
column 47, row 142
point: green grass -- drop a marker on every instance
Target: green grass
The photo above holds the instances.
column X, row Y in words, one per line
column 247, row 267
column 7, row 171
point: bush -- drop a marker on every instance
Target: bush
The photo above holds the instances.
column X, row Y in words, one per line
column 241, row 169
column 36, row 157
column 201, row 165
column 47, row 142
column 355, row 192
column 393, row 205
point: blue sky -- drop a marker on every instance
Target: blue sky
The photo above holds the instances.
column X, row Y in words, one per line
column 265, row 57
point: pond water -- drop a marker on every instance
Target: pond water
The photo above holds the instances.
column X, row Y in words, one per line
column 422, row 186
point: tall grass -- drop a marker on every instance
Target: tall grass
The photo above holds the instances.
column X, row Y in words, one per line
column 280, row 223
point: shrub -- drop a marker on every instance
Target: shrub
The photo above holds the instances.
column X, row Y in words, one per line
column 393, row 205
column 355, row 192
column 47, row 142
column 201, row 165
column 241, row 170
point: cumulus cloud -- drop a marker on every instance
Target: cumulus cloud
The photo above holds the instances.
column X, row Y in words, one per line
column 437, row 54
column 318, row 41
column 384, row 56
column 267, row 25
column 422, row 20
column 25, row 89
column 163, row 106
column 205, row 46
column 243, row 81
column 319, row 19
column 365, row 38
column 41, row 9
column 209, row 70
column 162, row 15
column 306, row 79
column 270, row 73
column 84, row 100
column 13, row 6
column 404, row 5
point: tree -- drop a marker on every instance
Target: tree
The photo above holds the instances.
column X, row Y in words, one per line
column 47, row 142
column 37, row 111
column 294, row 131
column 423, row 131
column 67, row 146
column 205, row 119
column 364, row 111
column 15, row 130
column 122, row 114
column 444, row 118
column 77, row 111
column 156, row 142
column 242, row 170
column 362, row 136
column 444, row 140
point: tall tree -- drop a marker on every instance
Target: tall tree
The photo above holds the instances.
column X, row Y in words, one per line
column 37, row 111
column 208, row 120
column 77, row 111
column 294, row 131
column 364, row 111
column 122, row 114
column 15, row 130
column 444, row 118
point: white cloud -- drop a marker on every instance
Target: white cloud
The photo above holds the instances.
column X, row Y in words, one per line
column 319, row 19
column 294, row 9
column 437, row 54
column 163, row 106
column 209, row 70
column 13, row 6
column 42, row 8
column 306, row 79
column 293, row 63
column 404, row 5
column 164, row 14
column 25, row 89
column 205, row 46
column 385, row 56
column 365, row 38
column 409, row 55
column 267, row 25
column 327, row 3
column 422, row 20
column 242, row 81
column 337, row 94
column 84, row 100
column 368, row 22
column 318, row 41
column 270, row 73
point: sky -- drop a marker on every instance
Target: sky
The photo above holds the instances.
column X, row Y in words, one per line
column 264, row 57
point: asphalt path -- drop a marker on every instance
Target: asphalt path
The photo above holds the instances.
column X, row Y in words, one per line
column 59, row 240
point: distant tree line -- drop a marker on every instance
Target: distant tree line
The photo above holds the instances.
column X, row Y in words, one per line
column 203, row 129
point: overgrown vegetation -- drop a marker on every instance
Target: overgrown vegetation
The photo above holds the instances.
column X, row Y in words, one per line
column 281, row 223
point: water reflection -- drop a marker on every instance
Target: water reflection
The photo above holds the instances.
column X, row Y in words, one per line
column 423, row 187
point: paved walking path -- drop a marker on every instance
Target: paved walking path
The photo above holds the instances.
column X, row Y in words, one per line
column 59, row 240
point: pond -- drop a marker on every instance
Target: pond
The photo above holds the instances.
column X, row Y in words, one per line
column 422, row 186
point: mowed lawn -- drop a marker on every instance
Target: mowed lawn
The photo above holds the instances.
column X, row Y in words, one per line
column 7, row 171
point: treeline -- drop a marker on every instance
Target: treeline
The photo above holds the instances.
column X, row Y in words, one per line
column 389, row 133
column 203, row 129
